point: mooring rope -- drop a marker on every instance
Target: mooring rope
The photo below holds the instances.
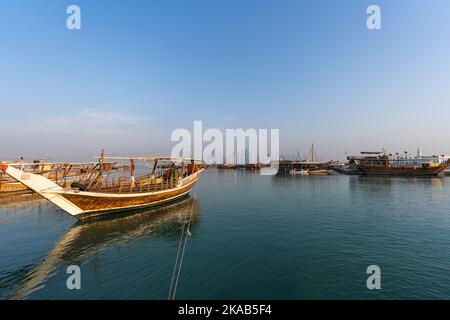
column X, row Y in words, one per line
column 176, row 261
column 177, row 266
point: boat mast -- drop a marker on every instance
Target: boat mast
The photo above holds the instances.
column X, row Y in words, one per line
column 132, row 173
column 154, row 167
column 132, row 167
column 102, row 161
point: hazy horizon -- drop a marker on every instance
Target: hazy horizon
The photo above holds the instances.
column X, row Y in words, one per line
column 137, row 71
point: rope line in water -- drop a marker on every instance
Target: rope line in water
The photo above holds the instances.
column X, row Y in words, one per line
column 176, row 262
column 177, row 266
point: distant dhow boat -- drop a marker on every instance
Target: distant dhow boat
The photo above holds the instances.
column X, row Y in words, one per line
column 99, row 194
column 381, row 163
column 305, row 167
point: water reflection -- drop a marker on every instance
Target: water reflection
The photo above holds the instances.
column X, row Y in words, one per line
column 371, row 185
column 24, row 200
column 312, row 184
column 387, row 188
column 87, row 238
column 358, row 182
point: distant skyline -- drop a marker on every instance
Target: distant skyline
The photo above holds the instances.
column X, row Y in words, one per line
column 137, row 70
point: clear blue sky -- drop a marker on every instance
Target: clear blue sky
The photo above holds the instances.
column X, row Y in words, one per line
column 139, row 69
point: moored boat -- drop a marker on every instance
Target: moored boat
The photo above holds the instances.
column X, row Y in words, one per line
column 381, row 163
column 322, row 168
column 299, row 171
column 310, row 166
column 295, row 167
column 11, row 186
column 61, row 173
column 99, row 194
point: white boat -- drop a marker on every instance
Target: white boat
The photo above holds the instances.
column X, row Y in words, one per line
column 299, row 172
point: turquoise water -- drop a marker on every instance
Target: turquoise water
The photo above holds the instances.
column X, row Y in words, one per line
column 253, row 237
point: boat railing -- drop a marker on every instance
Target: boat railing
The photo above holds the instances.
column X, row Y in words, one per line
column 160, row 180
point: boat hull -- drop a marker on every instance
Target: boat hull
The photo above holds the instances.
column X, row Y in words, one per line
column 318, row 171
column 347, row 171
column 299, row 172
column 95, row 205
column 13, row 188
column 168, row 201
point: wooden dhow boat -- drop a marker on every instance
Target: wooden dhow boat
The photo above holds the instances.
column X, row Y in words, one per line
column 100, row 194
column 310, row 166
column 10, row 186
column 295, row 167
column 61, row 173
column 381, row 163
